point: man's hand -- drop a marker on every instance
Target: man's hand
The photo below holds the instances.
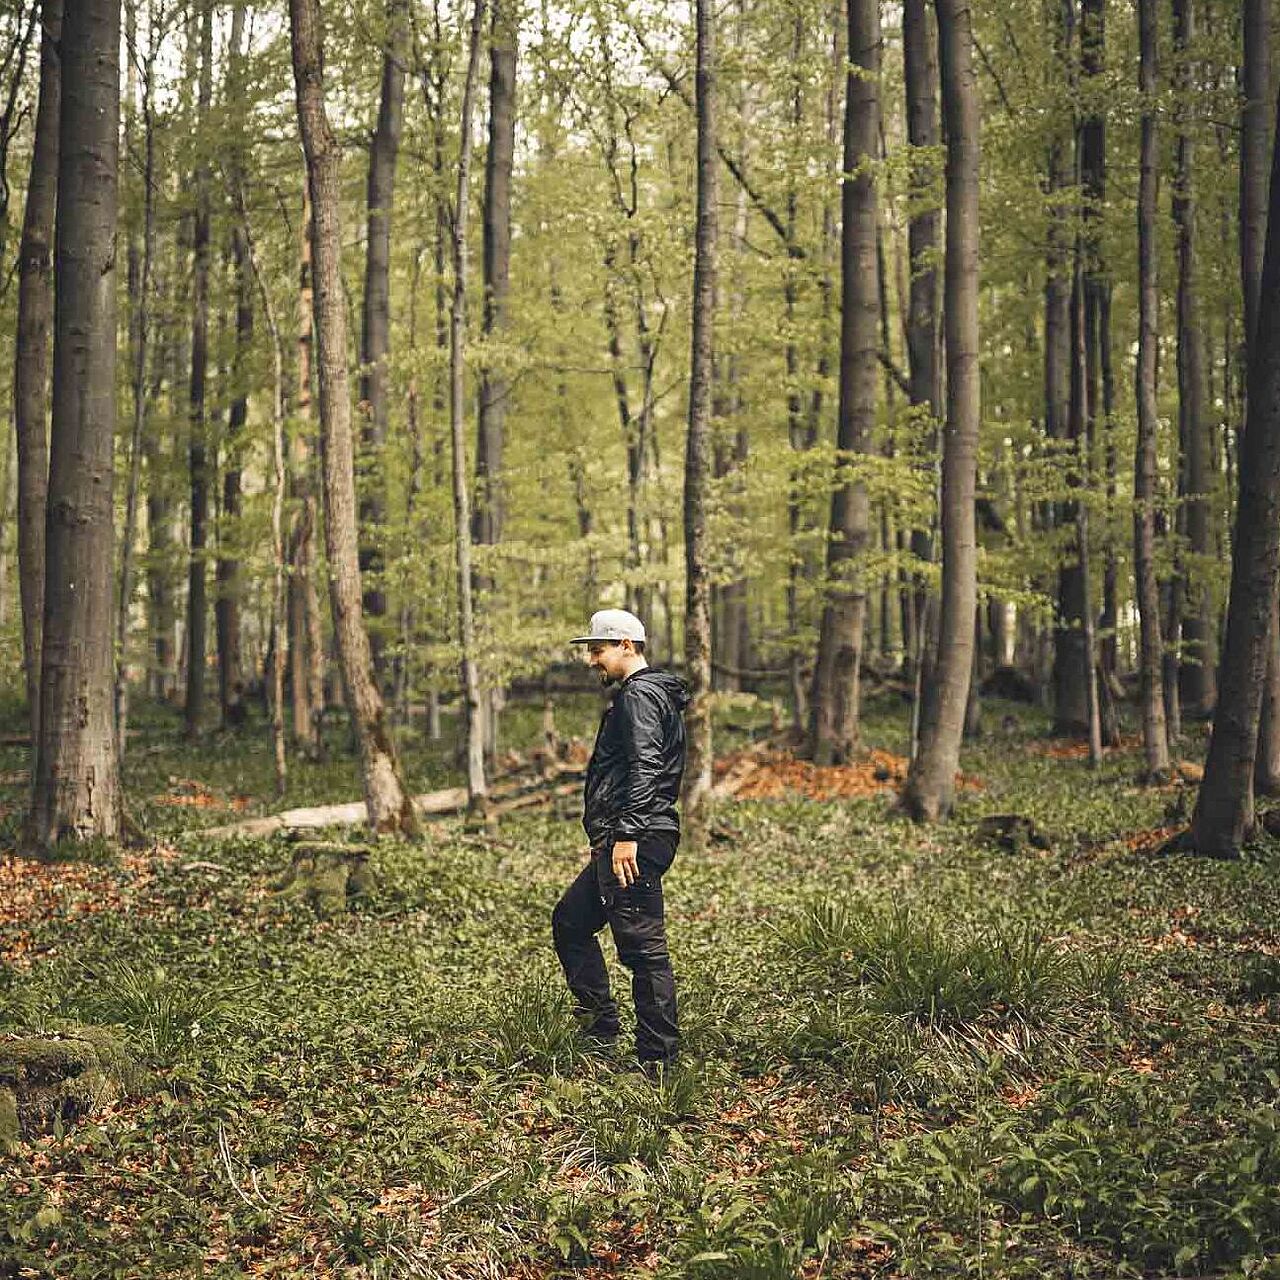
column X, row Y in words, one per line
column 625, row 867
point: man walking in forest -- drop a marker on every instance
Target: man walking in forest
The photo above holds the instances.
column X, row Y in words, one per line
column 629, row 813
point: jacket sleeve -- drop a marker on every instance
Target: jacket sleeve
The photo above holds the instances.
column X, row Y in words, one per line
column 642, row 736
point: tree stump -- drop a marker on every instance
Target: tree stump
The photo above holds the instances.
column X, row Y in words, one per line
column 327, row 875
column 1012, row 832
column 51, row 1079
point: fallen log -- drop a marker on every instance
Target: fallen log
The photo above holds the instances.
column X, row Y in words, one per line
column 507, row 795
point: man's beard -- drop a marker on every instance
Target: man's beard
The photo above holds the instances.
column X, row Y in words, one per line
column 605, row 678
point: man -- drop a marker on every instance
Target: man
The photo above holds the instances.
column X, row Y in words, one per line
column 629, row 813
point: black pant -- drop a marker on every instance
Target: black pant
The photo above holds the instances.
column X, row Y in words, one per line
column 635, row 917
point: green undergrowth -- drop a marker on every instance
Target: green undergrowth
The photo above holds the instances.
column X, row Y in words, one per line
column 908, row 1053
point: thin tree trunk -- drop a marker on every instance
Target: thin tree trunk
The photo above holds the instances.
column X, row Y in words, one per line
column 197, row 450
column 920, row 70
column 1224, row 813
column 1155, row 738
column 227, row 603
column 697, row 463
column 930, row 784
column 834, row 704
column 76, row 793
column 385, row 795
column 1097, row 310
column 1080, row 478
column 279, row 592
column 140, row 260
column 31, row 359
column 375, row 344
column 306, row 641
column 797, row 435
column 487, row 517
column 1199, row 664
column 160, row 452
column 1070, row 668
column 477, row 786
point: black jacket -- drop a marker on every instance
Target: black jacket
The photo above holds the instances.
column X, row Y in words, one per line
column 633, row 780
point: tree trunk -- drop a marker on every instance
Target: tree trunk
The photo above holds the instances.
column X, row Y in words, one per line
column 797, row 434
column 76, row 791
column 834, row 704
column 920, row 69
column 375, row 344
column 306, row 641
column 197, row 451
column 1197, row 678
column 930, row 784
column 279, row 594
column 697, row 461
column 31, row 359
column 1255, row 141
column 1155, row 738
column 385, row 795
column 141, row 257
column 1070, row 667
column 477, row 786
column 160, row 454
column 227, row 606
column 487, row 518
column 1224, row 813
column 1097, row 313
column 1080, row 478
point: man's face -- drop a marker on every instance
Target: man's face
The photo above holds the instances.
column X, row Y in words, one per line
column 608, row 658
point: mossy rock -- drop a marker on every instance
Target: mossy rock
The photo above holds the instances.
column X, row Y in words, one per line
column 327, row 875
column 46, row 1080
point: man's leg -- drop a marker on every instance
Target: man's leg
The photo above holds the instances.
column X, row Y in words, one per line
column 637, row 920
column 577, row 918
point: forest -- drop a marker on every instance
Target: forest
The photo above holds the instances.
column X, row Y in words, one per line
column 911, row 370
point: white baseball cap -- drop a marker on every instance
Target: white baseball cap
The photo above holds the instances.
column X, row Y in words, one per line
column 612, row 624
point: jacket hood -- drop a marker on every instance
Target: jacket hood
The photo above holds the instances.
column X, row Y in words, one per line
column 673, row 688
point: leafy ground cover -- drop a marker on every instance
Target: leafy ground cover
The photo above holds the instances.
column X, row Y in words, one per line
column 909, row 1052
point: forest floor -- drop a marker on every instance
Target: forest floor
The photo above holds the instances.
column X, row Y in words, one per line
column 909, row 1053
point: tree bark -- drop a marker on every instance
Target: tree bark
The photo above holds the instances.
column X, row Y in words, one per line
column 487, row 517
column 920, row 70
column 495, row 388
column 76, row 793
column 1070, row 665
column 31, row 358
column 161, row 622
column 834, row 703
column 1155, row 738
column 227, row 574
column 1097, row 318
column 1255, row 142
column 197, row 450
column 1197, row 677
column 279, row 554
column 797, row 434
column 1224, row 813
column 386, row 798
column 697, row 461
column 306, row 641
column 477, row 786
column 141, row 256
column 375, row 344
column 930, row 785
